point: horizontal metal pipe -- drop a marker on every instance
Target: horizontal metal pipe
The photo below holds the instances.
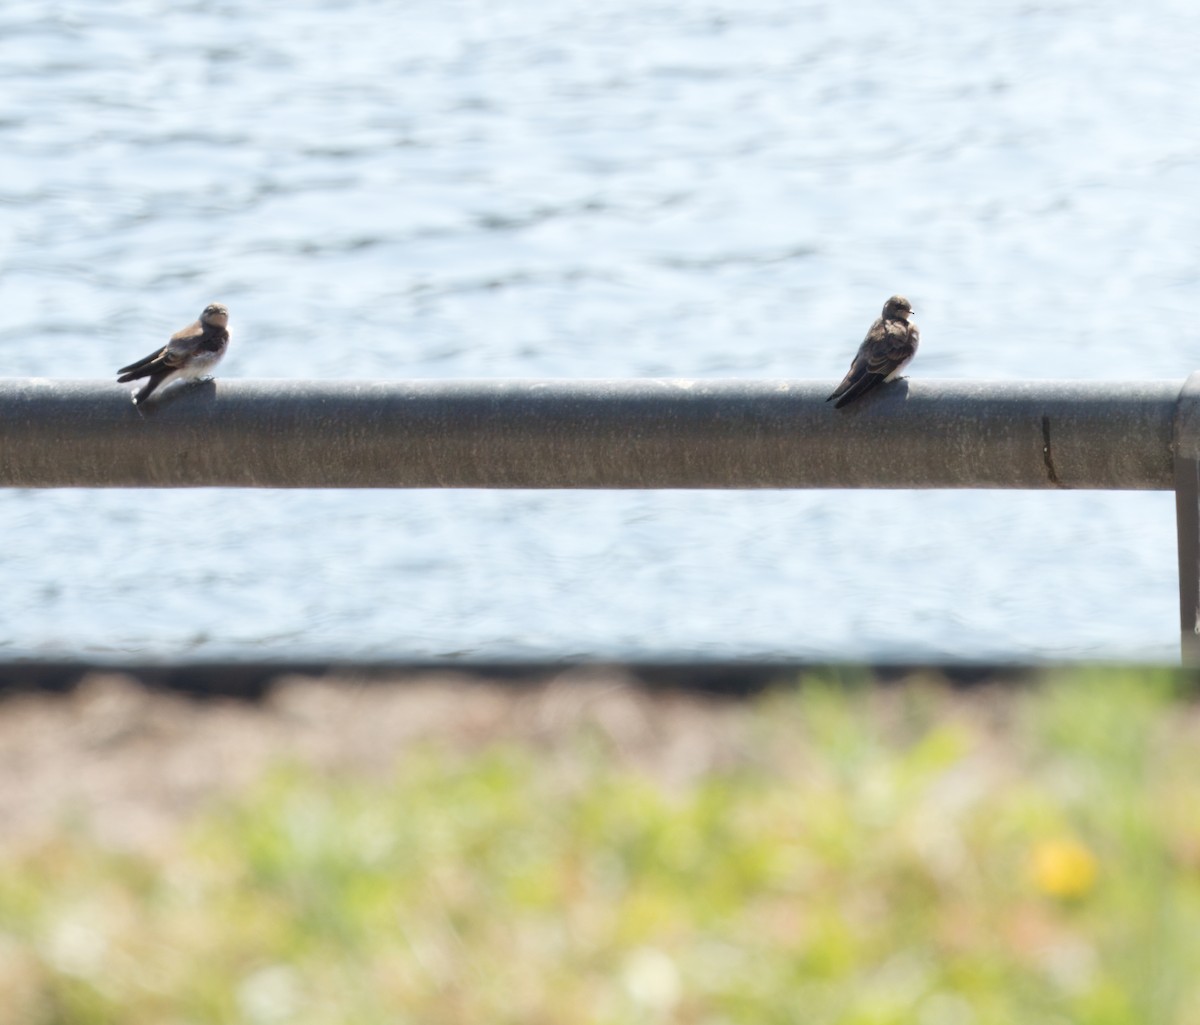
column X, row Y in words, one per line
column 589, row 434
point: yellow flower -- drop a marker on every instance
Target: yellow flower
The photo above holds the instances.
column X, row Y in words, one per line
column 1064, row 868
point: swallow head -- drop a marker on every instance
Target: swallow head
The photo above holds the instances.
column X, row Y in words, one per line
column 897, row 308
column 215, row 314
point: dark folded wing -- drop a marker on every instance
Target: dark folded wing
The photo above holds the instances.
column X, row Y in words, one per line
column 887, row 347
column 184, row 343
column 885, row 350
column 897, row 346
column 143, row 364
column 179, row 347
column 862, row 383
column 854, row 374
column 860, row 367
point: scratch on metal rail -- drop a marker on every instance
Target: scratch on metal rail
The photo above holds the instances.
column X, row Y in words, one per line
column 1048, row 455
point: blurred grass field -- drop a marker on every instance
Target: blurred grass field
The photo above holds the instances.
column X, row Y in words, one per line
column 860, row 855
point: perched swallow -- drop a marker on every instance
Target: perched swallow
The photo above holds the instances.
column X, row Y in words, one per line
column 192, row 352
column 888, row 348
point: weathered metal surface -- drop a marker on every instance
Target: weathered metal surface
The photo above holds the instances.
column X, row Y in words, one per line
column 590, row 434
column 1187, row 517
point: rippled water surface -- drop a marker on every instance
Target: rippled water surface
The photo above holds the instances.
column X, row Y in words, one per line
column 610, row 188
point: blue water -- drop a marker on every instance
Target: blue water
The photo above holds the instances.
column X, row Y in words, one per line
column 609, row 188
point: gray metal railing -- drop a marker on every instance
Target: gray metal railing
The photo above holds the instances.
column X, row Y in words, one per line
column 619, row 434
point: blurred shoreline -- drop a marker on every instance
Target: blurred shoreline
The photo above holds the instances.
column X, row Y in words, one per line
column 601, row 831
column 252, row 680
column 134, row 754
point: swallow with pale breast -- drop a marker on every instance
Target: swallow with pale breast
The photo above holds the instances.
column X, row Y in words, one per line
column 889, row 347
column 191, row 353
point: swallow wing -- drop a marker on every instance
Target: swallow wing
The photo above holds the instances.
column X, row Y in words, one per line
column 853, row 376
column 142, row 367
column 894, row 350
column 181, row 346
column 859, row 367
column 886, row 349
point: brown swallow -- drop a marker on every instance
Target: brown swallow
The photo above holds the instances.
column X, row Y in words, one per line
column 888, row 348
column 192, row 352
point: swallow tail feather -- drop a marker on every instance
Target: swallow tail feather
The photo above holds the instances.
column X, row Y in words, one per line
column 147, row 389
column 142, row 368
column 854, row 389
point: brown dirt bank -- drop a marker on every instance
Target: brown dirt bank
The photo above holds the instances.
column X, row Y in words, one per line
column 127, row 761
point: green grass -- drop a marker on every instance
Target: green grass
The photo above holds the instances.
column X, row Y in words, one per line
column 867, row 857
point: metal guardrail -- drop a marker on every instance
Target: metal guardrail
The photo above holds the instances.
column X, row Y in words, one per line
column 619, row 434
